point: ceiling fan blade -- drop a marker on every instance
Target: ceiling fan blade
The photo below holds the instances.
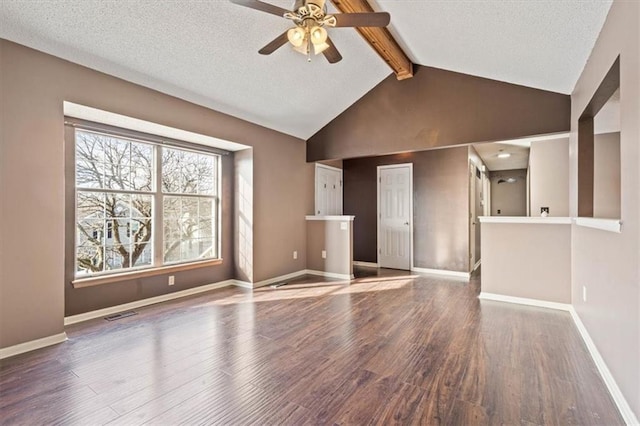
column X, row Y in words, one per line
column 264, row 7
column 331, row 53
column 373, row 19
column 275, row 44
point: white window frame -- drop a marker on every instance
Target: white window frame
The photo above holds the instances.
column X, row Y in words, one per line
column 157, row 194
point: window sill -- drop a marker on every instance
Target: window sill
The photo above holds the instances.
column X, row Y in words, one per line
column 611, row 225
column 133, row 275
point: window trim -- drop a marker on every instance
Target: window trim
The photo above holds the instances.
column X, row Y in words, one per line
column 158, row 267
column 143, row 273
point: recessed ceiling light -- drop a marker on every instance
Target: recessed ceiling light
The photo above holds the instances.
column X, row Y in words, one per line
column 504, row 155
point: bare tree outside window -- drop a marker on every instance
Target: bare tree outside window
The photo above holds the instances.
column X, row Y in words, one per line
column 189, row 231
column 115, row 203
column 114, row 178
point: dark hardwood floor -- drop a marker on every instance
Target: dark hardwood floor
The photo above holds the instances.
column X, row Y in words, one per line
column 391, row 347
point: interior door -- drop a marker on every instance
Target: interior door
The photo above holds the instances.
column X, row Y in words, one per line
column 328, row 190
column 472, row 216
column 395, row 216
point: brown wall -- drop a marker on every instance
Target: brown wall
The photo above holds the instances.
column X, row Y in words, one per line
column 441, row 206
column 607, row 263
column 438, row 108
column 32, row 226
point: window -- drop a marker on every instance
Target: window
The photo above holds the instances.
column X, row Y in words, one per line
column 140, row 204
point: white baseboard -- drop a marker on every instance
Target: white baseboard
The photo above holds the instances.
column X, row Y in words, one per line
column 73, row 319
column 32, row 345
column 367, row 264
column 330, row 274
column 525, row 301
column 243, row 284
column 442, row 272
column 274, row 279
column 625, row 410
column 615, row 392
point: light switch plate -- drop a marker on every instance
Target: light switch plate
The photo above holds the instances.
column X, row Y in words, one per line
column 344, row 226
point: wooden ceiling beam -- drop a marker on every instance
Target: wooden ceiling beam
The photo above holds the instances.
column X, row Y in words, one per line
column 380, row 39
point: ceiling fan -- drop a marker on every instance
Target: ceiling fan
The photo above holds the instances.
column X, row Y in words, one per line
column 310, row 19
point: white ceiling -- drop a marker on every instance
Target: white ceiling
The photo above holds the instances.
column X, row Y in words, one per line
column 518, row 148
column 206, row 51
column 489, row 153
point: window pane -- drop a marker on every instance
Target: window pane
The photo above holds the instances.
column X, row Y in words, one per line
column 90, row 205
column 114, row 163
column 188, row 228
column 171, row 170
column 90, row 259
column 186, row 172
column 141, row 255
column 206, row 207
column 115, row 259
column 171, row 251
column 115, row 178
column 118, row 205
column 90, row 232
column 89, row 174
column 206, row 248
column 207, row 175
column 141, row 206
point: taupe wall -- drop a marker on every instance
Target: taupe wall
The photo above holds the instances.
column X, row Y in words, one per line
column 34, row 86
column 549, row 176
column 243, row 214
column 440, row 206
column 527, row 260
column 607, row 263
column 606, row 175
column 509, row 198
column 438, row 108
column 79, row 300
column 328, row 235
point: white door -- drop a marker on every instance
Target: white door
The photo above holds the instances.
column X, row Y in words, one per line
column 328, row 190
column 395, row 190
column 472, row 216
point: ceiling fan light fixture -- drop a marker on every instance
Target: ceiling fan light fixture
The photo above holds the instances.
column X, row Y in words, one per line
column 296, row 36
column 318, row 35
column 318, row 48
column 303, row 48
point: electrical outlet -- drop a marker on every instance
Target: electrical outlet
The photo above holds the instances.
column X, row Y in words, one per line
column 498, row 211
column 544, row 209
column 584, row 293
column 324, row 254
column 295, row 254
column 172, row 279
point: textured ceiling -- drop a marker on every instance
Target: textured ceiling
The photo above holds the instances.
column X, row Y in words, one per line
column 206, row 51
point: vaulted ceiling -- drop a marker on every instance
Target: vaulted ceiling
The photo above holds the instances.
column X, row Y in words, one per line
column 206, row 52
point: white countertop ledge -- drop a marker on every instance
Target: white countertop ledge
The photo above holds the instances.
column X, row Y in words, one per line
column 343, row 218
column 526, row 220
column 611, row 225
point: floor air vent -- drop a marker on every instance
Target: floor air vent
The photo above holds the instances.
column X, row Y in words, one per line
column 120, row 315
